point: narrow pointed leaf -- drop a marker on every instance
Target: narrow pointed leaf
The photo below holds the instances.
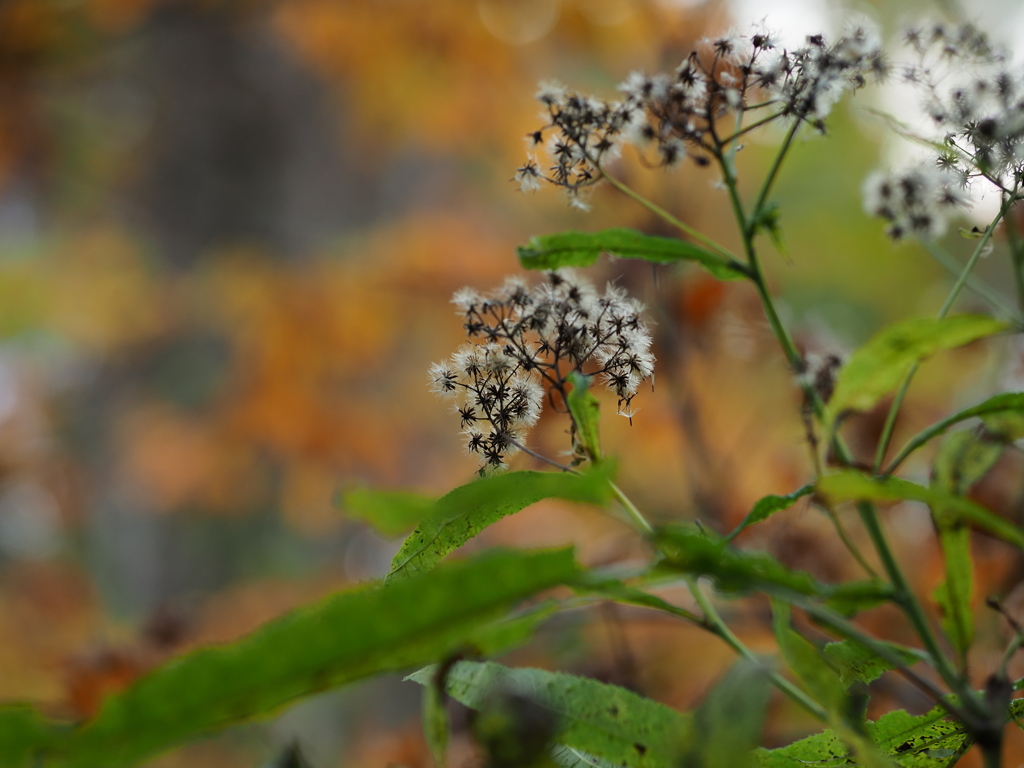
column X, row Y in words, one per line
column 807, row 662
column 963, row 459
column 582, row 249
column 435, row 724
column 701, row 553
column 617, row 590
column 598, row 719
column 462, row 514
column 851, row 485
column 954, row 594
column 345, row 637
column 586, row 412
column 879, row 366
column 768, row 506
column 1008, row 404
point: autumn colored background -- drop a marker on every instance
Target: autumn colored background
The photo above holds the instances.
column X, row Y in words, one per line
column 228, row 236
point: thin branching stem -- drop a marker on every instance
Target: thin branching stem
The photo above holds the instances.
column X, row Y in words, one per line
column 954, row 292
column 667, row 217
column 721, row 629
column 904, row 595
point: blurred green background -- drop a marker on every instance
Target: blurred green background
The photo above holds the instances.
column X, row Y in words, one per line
column 228, row 236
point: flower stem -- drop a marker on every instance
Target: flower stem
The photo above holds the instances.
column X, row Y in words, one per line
column 667, row 217
column 773, row 172
column 904, row 595
column 635, row 515
column 954, row 292
column 721, row 629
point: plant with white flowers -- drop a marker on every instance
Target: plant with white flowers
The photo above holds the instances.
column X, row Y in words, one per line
column 532, row 346
column 552, row 344
column 528, row 342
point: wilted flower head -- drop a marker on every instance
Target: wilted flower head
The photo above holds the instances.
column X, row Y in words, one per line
column 688, row 112
column 975, row 98
column 916, row 201
column 523, row 344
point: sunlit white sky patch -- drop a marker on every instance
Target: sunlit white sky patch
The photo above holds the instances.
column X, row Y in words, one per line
column 791, row 20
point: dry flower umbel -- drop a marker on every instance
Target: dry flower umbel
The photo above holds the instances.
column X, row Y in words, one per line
column 524, row 343
column 694, row 111
column 974, row 95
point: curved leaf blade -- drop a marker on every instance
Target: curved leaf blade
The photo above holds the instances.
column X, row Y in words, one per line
column 851, row 485
column 700, row 553
column 582, row 249
column 962, row 460
column 1007, row 403
column 342, row 638
column 586, row 411
column 463, row 513
column 880, row 365
column 768, row 506
column 598, row 719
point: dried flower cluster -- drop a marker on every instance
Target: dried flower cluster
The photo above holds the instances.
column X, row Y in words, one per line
column 692, row 112
column 976, row 100
column 915, row 201
column 524, row 343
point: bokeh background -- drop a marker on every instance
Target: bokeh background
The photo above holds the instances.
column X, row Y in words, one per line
column 228, row 236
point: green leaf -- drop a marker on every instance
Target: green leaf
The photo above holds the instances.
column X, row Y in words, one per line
column 768, row 506
column 963, row 459
column 924, row 741
column 586, row 411
column 24, row 736
column 1001, row 414
column 851, row 485
column 392, row 513
column 808, row 663
column 767, row 219
column 512, row 631
column 857, row 664
column 597, row 719
column 701, row 553
column 849, row 597
column 730, row 721
column 822, row 750
column 463, row 513
column 435, row 724
column 826, row 687
column 954, row 594
column 515, row 729
column 879, row 366
column 344, row 637
column 582, row 249
column 615, row 589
